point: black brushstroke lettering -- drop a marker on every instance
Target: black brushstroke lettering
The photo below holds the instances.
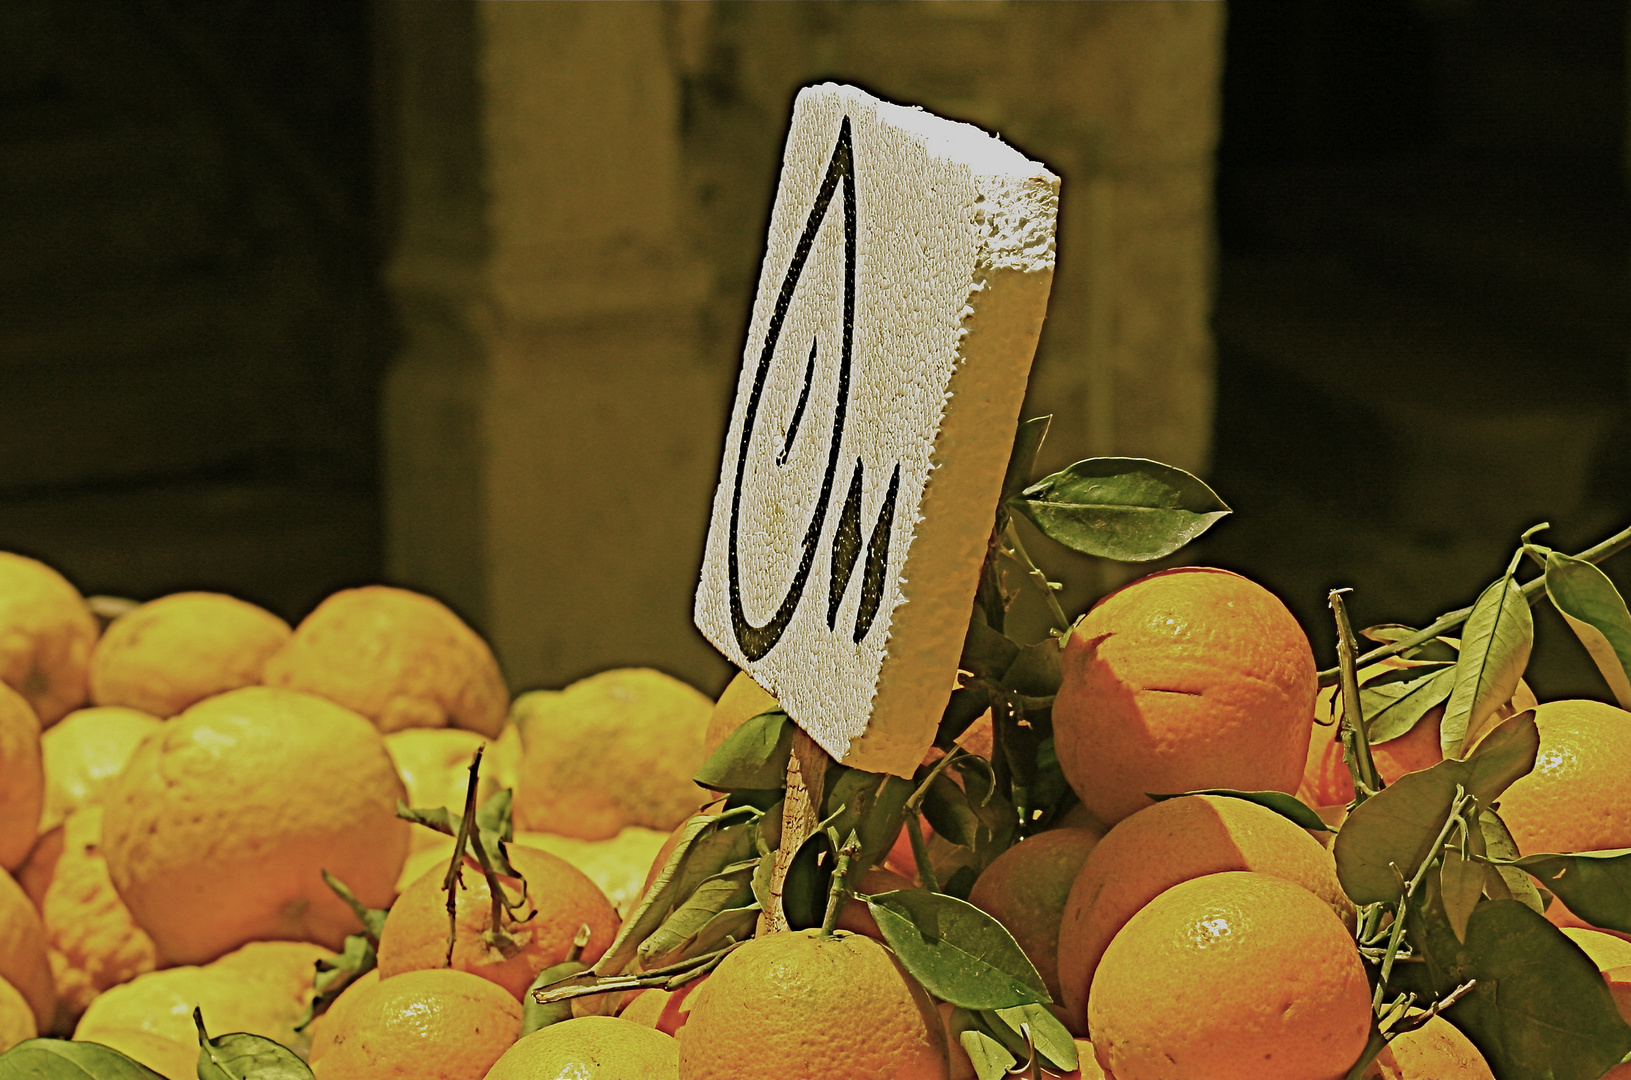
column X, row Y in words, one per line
column 877, row 561
column 798, row 410
column 846, row 547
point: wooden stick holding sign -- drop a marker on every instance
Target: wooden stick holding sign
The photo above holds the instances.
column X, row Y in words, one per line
column 905, row 279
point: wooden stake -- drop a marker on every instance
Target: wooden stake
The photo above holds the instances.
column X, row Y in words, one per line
column 801, row 812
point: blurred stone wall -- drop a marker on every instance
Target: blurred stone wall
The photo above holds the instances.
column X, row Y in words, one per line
column 577, row 195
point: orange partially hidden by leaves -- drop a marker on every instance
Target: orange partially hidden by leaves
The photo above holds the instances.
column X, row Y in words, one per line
column 591, row 1048
column 1172, row 842
column 24, row 962
column 538, row 935
column 665, row 1010
column 397, row 657
column 855, row 916
column 1233, row 976
column 1025, row 889
column 742, row 700
column 1186, row 679
column 171, row 652
column 447, row 1024
column 616, row 749
column 797, row 1006
column 1435, row 1051
column 218, row 830
column 22, row 778
column 46, row 637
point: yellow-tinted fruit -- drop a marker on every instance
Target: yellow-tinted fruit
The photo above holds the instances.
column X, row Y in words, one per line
column 16, row 1018
column 24, row 960
column 399, row 658
column 1435, row 1051
column 591, row 1048
column 218, row 830
column 46, row 637
column 616, row 749
column 742, row 700
column 1025, row 889
column 22, row 779
column 168, row 1058
column 450, row 1025
column 83, row 751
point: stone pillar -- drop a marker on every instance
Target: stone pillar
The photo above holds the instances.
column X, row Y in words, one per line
column 580, row 193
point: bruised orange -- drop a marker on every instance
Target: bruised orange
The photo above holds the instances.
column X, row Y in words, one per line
column 798, row 1006
column 1186, row 679
column 397, row 657
column 1232, row 976
column 46, row 637
column 1169, row 843
column 560, row 899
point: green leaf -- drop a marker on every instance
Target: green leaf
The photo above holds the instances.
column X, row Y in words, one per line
column 372, row 919
column 1595, row 884
column 59, row 1059
column 991, row 1060
column 986, row 652
column 242, row 1056
column 1287, row 806
column 491, row 837
column 534, row 1015
column 1461, row 884
column 1028, row 438
column 958, row 952
column 1392, row 703
column 1539, row 1009
column 355, row 960
column 732, row 888
column 1597, row 614
column 1495, row 644
column 1048, row 1035
column 1127, row 509
column 494, row 815
column 1501, row 851
column 946, row 806
column 754, row 756
column 871, row 805
column 1036, row 670
column 1392, row 833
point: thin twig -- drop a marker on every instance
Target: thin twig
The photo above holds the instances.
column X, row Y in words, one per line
column 1355, row 738
column 1040, row 579
column 1532, row 592
column 1397, row 936
column 454, row 878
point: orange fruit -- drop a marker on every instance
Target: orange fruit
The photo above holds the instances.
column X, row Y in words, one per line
column 324, row 1028
column 665, row 1010
column 24, row 960
column 401, row 659
column 560, row 899
column 1172, row 842
column 16, row 1018
column 1186, row 679
column 591, row 1048
column 1025, row 889
column 22, row 778
column 46, row 637
column 797, row 1006
column 742, row 700
column 95, row 943
column 616, row 749
column 855, row 916
column 83, row 751
column 168, row 653
column 616, row 866
column 1232, row 976
column 218, row 830
column 1435, row 1051
column 447, row 1024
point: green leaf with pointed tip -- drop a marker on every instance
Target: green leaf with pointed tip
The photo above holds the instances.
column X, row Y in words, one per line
column 1392, row 703
column 986, row 652
column 958, row 952
column 1495, row 645
column 991, row 1060
column 242, row 1056
column 733, row 888
column 1287, row 806
column 1501, row 851
column 872, row 805
column 534, row 1015
column 753, row 756
column 494, row 815
column 1127, row 509
column 1036, row 670
column 1595, row 884
column 1392, row 833
column 492, row 840
column 59, row 1059
column 372, row 919
column 1461, row 884
column 355, row 960
column 1048, row 1035
column 1028, row 437
column 1539, row 1009
column 1596, row 612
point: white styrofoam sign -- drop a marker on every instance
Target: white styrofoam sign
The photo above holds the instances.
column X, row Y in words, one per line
column 905, row 278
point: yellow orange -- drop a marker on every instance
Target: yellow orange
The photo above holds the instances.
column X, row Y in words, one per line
column 1186, row 679
column 797, row 1006
column 326, row 1027
column 22, row 779
column 447, row 1024
column 591, row 1048
column 1435, row 1051
column 1172, row 842
column 46, row 637
column 742, row 700
column 179, row 649
column 399, row 658
column 16, row 1018
column 24, row 959
column 218, row 830
column 1232, row 976
column 1025, row 889
column 560, row 899
column 616, row 749
column 665, row 1010
column 83, row 751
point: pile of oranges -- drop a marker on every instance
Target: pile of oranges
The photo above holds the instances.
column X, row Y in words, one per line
column 176, row 784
